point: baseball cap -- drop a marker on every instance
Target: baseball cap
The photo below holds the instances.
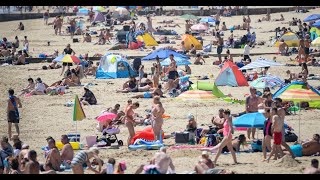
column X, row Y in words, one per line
column 190, row 117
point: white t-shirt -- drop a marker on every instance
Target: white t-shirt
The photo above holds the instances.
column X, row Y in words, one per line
column 40, row 87
column 246, row 50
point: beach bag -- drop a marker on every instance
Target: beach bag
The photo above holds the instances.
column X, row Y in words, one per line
column 210, row 140
column 256, row 146
column 290, row 136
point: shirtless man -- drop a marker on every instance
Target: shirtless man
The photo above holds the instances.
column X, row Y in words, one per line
column 157, row 120
column 314, row 169
column 283, row 47
column 312, row 147
column 282, row 114
column 66, row 152
column 197, row 61
column 5, row 52
column 21, row 58
column 129, row 121
column 277, row 135
column 218, row 121
column 172, row 72
column 252, row 103
column 53, row 156
column 32, row 166
column 12, row 112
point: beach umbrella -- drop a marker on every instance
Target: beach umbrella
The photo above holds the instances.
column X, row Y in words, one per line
column 208, row 19
column 99, row 8
column 67, row 59
column 250, row 120
column 316, row 24
column 267, row 81
column 199, row 27
column 312, row 17
column 179, row 61
column 106, row 116
column 122, row 11
column 316, row 42
column 189, row 16
column 260, row 63
column 163, row 54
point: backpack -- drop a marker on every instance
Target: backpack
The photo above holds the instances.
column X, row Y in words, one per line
column 210, row 140
column 290, row 136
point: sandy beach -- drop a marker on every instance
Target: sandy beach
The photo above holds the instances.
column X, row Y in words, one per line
column 43, row 116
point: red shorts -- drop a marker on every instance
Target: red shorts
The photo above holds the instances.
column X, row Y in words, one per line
column 277, row 137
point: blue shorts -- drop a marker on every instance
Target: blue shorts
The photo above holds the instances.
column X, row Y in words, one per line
column 72, row 28
column 297, row 150
column 147, row 95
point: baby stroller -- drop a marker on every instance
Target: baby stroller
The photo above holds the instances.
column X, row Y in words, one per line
column 109, row 136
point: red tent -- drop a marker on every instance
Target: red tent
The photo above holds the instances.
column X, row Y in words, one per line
column 230, row 75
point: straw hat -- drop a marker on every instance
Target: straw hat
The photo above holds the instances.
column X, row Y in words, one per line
column 205, row 153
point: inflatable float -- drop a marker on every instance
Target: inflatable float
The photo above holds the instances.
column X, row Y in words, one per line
column 145, row 134
column 147, row 144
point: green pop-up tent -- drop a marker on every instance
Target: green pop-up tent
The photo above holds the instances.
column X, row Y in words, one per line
column 206, row 86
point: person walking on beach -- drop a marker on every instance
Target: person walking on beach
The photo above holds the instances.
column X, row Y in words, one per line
column 129, row 121
column 227, row 137
column 149, row 25
column 69, row 51
column 46, row 17
column 13, row 112
column 72, row 27
column 282, row 114
column 277, row 135
column 157, row 120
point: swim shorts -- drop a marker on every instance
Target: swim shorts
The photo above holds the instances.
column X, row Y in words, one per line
column 147, row 95
column 66, row 64
column 277, row 136
column 13, row 117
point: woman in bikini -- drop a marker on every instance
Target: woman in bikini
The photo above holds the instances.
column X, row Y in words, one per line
column 29, row 88
column 129, row 121
column 83, row 157
column 227, row 138
column 157, row 121
column 156, row 74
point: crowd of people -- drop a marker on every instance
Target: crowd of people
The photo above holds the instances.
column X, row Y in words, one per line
column 20, row 159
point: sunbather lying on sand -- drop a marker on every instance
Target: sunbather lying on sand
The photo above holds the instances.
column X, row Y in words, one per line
column 309, row 147
column 53, row 65
column 155, row 92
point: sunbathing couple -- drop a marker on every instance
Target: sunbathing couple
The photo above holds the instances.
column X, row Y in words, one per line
column 53, row 65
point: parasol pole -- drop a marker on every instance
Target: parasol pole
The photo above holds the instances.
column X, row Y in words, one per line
column 299, row 119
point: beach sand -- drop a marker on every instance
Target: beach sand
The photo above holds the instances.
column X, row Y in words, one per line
column 43, row 116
